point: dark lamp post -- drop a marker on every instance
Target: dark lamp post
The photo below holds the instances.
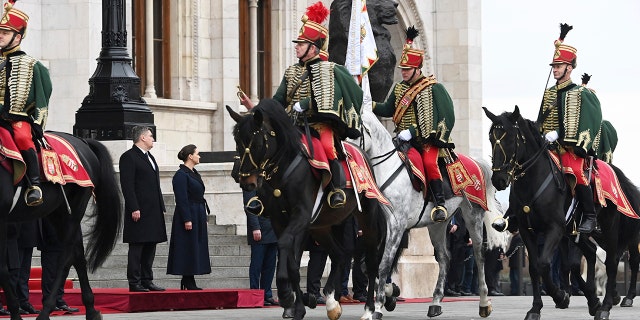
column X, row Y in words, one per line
column 114, row 104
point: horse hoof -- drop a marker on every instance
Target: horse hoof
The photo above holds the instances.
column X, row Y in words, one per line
column 309, row 300
column 564, row 302
column 434, row 311
column 335, row 313
column 485, row 311
column 95, row 315
column 532, row 316
column 376, row 316
column 288, row 313
column 594, row 308
column 602, row 315
column 626, row 302
column 616, row 300
column 287, row 302
column 396, row 290
column 390, row 303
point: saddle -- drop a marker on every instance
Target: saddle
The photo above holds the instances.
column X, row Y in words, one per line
column 461, row 175
column 59, row 162
column 357, row 171
column 605, row 186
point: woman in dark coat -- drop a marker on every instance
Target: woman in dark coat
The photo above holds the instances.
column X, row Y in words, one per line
column 189, row 248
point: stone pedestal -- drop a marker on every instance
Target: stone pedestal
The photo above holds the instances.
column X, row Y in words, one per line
column 417, row 268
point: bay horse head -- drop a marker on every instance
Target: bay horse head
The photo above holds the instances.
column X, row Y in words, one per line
column 506, row 146
column 263, row 138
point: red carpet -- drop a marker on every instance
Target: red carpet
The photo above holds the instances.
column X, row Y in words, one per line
column 121, row 300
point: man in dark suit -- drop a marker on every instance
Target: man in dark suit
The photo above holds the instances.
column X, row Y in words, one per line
column 264, row 251
column 144, row 225
column 27, row 240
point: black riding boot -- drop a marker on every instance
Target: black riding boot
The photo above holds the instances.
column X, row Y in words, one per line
column 584, row 195
column 33, row 194
column 337, row 197
column 439, row 211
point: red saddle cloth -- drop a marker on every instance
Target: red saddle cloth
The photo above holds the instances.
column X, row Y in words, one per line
column 464, row 174
column 60, row 164
column 358, row 170
column 606, row 187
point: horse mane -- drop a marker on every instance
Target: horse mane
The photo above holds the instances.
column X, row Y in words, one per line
column 287, row 134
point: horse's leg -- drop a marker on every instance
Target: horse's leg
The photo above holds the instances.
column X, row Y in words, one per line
column 9, row 289
column 588, row 249
column 286, row 256
column 553, row 237
column 80, row 264
column 475, row 225
column 530, row 241
column 634, row 262
column 611, row 263
column 394, row 235
column 333, row 288
column 293, row 269
column 437, row 232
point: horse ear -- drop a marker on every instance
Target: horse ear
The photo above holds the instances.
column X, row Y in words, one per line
column 258, row 118
column 234, row 115
column 516, row 112
column 489, row 114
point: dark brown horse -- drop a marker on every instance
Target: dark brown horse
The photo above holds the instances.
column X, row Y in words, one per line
column 66, row 210
column 540, row 199
column 273, row 163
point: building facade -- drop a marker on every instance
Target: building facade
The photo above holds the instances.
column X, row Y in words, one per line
column 191, row 56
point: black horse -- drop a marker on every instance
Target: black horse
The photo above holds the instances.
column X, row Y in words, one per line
column 273, row 163
column 540, row 199
column 66, row 210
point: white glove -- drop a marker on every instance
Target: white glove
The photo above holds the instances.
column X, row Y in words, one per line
column 297, row 107
column 404, row 135
column 551, row 136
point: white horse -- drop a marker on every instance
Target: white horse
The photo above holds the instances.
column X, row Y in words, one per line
column 410, row 211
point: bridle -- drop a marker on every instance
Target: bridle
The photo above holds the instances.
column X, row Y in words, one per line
column 267, row 166
column 513, row 168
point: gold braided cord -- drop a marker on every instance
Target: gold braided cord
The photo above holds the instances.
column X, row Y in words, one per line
column 571, row 121
column 20, row 83
column 424, row 105
column 323, row 87
column 549, row 102
column 292, row 76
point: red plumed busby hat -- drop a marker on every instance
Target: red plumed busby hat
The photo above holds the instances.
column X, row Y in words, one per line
column 411, row 58
column 14, row 19
column 312, row 30
column 564, row 54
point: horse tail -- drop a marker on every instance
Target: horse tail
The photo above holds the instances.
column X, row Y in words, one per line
column 104, row 232
column 495, row 238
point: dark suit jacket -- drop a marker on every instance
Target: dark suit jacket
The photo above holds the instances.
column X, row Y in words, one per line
column 140, row 185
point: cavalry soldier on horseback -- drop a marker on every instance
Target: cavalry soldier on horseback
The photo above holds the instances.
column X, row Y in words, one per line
column 25, row 88
column 423, row 113
column 570, row 115
column 322, row 93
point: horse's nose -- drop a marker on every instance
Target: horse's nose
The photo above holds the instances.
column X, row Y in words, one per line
column 499, row 181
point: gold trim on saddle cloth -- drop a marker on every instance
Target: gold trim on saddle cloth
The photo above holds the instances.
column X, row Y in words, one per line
column 459, row 176
column 51, row 166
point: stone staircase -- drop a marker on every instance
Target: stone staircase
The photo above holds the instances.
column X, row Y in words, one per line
column 229, row 251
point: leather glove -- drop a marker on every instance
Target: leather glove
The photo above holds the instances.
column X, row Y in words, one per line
column 551, row 136
column 404, row 135
column 297, row 107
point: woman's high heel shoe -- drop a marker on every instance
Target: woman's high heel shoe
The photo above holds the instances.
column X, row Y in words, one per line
column 188, row 283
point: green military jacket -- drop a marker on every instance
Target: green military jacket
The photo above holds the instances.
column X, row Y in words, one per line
column 25, row 88
column 429, row 113
column 574, row 112
column 606, row 142
column 327, row 92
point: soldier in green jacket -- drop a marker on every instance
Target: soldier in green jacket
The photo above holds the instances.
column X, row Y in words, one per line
column 570, row 115
column 25, row 88
column 423, row 113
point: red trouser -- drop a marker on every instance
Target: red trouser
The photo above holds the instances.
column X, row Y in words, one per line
column 22, row 135
column 574, row 165
column 326, row 138
column 430, row 162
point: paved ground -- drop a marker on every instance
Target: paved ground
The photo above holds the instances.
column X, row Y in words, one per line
column 504, row 308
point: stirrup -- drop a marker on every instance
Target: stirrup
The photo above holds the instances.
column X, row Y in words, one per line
column 340, row 204
column 497, row 220
column 436, row 208
column 28, row 194
column 252, row 210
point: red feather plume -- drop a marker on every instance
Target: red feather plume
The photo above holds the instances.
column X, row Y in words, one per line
column 317, row 12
